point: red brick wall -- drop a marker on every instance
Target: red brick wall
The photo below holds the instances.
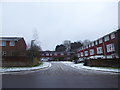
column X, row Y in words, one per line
column 19, row 46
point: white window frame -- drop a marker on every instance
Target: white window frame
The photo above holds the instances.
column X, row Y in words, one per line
column 100, row 41
column 62, row 54
column 89, row 45
column 107, row 38
column 110, row 47
column 68, row 53
column 2, row 43
column 99, row 50
column 91, row 51
column 47, row 54
column 93, row 44
column 81, row 54
column 112, row 35
column 86, row 53
column 51, row 54
column 12, row 43
column 96, row 42
column 55, row 54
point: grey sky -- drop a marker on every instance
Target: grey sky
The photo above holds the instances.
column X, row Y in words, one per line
column 59, row 21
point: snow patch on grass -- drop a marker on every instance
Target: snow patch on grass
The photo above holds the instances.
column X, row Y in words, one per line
column 44, row 65
column 80, row 65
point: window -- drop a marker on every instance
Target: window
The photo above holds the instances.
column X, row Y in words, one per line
column 86, row 53
column 81, row 54
column 100, row 41
column 92, row 43
column 110, row 48
column 112, row 35
column 91, row 51
column 99, row 50
column 12, row 43
column 89, row 45
column 55, row 54
column 62, row 53
column 68, row 53
column 96, row 43
column 78, row 54
column 47, row 54
column 51, row 54
column 106, row 38
column 86, row 46
column 2, row 43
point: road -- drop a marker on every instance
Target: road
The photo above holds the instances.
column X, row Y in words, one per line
column 61, row 76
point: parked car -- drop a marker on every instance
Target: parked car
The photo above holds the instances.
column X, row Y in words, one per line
column 81, row 60
column 44, row 59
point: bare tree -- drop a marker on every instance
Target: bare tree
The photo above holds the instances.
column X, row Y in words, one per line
column 36, row 42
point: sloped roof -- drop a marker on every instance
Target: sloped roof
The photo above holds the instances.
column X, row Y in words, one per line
column 10, row 38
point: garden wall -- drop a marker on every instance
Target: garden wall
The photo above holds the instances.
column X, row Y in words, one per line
column 19, row 61
column 103, row 62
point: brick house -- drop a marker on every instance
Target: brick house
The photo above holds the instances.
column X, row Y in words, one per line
column 104, row 47
column 12, row 45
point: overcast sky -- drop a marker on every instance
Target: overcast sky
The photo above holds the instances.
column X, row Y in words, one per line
column 59, row 21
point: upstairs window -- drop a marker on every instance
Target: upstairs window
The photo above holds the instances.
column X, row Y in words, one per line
column 51, row 54
column 55, row 54
column 100, row 41
column 12, row 43
column 96, row 43
column 106, row 38
column 62, row 53
column 112, row 35
column 2, row 43
column 47, row 54
column 89, row 45
column 92, row 43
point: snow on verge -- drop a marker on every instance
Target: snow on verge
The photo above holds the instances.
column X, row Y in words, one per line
column 44, row 65
column 80, row 65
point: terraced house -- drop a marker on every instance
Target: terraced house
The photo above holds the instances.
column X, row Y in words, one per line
column 12, row 45
column 107, row 46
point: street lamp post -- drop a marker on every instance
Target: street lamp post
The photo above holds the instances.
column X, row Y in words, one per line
column 32, row 42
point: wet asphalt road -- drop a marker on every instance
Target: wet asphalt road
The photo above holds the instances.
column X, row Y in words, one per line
column 61, row 76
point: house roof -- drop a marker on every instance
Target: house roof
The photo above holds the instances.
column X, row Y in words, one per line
column 10, row 38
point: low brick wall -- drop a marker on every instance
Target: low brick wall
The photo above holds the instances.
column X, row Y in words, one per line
column 19, row 61
column 103, row 62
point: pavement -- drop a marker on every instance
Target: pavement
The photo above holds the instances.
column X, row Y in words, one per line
column 80, row 65
column 21, row 69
